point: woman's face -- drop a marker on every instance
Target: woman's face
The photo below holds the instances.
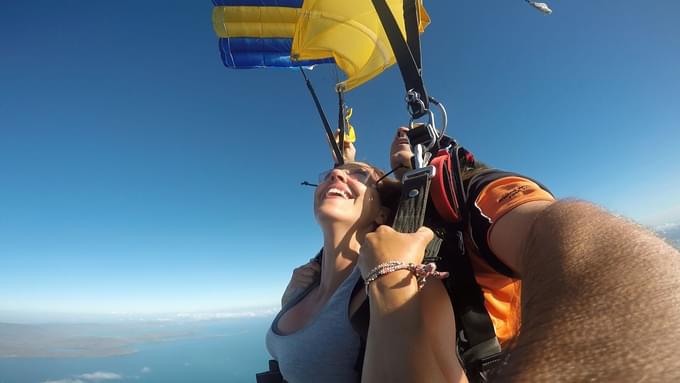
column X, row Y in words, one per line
column 348, row 194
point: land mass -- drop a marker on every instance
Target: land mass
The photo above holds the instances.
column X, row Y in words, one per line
column 79, row 340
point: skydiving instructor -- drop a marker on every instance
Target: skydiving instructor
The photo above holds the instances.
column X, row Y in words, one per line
column 599, row 295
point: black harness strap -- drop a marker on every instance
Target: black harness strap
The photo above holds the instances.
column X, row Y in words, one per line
column 476, row 336
column 410, row 214
column 271, row 376
column 405, row 52
column 411, row 22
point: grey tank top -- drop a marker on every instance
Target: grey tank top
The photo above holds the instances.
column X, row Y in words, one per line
column 326, row 349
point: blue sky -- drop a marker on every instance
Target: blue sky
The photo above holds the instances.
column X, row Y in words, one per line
column 137, row 174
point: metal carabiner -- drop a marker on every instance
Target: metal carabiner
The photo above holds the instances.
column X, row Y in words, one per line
column 431, row 129
column 414, row 104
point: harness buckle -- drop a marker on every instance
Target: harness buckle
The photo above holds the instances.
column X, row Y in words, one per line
column 422, row 137
column 429, row 170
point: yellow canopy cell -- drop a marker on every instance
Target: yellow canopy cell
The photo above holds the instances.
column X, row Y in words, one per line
column 255, row 21
column 349, row 31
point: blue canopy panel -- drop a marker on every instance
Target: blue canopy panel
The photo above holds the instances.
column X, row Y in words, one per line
column 246, row 52
column 260, row 3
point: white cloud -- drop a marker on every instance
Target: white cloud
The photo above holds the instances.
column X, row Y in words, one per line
column 146, row 370
column 97, row 376
column 201, row 316
column 667, row 226
column 668, row 216
column 100, row 375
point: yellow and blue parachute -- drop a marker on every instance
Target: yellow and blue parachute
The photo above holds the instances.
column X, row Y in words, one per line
column 258, row 33
column 290, row 33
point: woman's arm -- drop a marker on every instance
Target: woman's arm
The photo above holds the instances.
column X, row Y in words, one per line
column 411, row 336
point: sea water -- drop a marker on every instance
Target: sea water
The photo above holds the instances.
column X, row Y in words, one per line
column 225, row 351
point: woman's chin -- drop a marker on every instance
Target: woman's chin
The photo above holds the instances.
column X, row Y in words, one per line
column 334, row 214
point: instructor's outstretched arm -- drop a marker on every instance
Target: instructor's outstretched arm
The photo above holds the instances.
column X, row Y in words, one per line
column 600, row 302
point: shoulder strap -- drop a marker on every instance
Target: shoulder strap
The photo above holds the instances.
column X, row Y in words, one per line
column 359, row 323
column 271, row 376
column 475, row 334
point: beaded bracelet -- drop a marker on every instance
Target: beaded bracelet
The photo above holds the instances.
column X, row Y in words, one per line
column 421, row 272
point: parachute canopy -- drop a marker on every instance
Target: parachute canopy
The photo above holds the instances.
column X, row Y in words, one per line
column 350, row 31
column 286, row 33
column 258, row 33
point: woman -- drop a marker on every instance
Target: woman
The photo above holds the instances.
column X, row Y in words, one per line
column 503, row 210
column 312, row 337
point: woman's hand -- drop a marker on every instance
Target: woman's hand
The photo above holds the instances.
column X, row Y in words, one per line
column 386, row 244
column 302, row 277
column 349, row 151
column 400, row 152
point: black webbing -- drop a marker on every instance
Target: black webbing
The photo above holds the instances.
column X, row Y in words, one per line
column 411, row 211
column 331, row 138
column 476, row 337
column 342, row 121
column 457, row 181
column 409, row 68
column 411, row 22
column 271, row 376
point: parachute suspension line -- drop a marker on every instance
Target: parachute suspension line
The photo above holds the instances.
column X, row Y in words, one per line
column 327, row 126
column 342, row 121
column 337, row 76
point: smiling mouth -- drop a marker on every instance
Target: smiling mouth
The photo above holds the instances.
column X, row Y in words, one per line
column 403, row 141
column 335, row 192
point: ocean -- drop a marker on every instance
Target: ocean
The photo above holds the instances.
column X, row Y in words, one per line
column 230, row 350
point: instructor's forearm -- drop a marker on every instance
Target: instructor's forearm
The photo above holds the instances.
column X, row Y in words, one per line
column 600, row 302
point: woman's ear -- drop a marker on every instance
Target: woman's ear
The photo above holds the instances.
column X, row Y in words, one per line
column 383, row 215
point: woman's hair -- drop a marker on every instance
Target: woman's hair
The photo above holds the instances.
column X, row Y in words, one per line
column 389, row 190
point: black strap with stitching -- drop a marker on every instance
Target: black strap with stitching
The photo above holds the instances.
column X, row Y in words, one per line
column 410, row 215
column 406, row 53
